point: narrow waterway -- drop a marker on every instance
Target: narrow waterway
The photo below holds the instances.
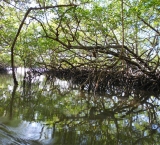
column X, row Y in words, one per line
column 50, row 111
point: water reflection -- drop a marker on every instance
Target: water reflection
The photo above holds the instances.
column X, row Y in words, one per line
column 52, row 111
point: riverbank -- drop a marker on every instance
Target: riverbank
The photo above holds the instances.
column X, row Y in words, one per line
column 99, row 80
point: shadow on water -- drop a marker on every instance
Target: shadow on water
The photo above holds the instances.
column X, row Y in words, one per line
column 50, row 111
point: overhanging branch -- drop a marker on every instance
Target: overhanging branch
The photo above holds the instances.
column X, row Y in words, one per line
column 19, row 30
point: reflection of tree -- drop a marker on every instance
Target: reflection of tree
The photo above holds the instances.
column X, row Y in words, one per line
column 12, row 101
column 112, row 122
column 120, row 116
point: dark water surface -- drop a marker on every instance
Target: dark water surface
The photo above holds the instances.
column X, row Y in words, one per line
column 54, row 112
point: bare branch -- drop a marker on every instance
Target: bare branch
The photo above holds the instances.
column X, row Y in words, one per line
column 149, row 25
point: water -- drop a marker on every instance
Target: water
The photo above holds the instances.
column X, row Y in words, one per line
column 54, row 112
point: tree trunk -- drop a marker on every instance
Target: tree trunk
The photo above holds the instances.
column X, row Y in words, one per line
column 13, row 68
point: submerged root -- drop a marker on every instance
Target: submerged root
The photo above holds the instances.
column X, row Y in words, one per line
column 100, row 80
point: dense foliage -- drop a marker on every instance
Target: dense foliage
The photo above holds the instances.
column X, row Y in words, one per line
column 108, row 35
